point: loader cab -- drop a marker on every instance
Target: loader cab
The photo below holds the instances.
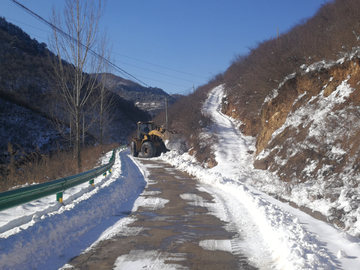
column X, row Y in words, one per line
column 144, row 127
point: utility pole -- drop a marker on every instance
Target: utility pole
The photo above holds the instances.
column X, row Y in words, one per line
column 70, row 133
column 166, row 114
column 83, row 131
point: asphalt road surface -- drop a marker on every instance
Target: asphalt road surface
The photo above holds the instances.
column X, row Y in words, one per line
column 183, row 234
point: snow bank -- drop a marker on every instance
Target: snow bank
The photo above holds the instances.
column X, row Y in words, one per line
column 291, row 245
column 59, row 232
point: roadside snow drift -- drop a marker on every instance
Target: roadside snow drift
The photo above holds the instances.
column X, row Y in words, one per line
column 46, row 234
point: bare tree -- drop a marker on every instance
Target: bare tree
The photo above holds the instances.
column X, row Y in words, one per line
column 75, row 42
column 105, row 104
column 106, row 100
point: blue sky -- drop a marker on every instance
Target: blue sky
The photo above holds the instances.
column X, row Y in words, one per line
column 177, row 44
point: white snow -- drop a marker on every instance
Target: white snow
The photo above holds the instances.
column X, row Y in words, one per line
column 45, row 234
column 141, row 259
column 210, row 244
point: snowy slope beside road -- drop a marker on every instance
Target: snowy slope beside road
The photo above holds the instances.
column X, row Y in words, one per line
column 293, row 239
column 46, row 234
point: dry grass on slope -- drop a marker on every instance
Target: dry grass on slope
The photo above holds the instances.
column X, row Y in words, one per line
column 40, row 168
column 332, row 32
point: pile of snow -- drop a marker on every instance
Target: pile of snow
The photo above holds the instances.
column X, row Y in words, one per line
column 176, row 142
column 291, row 245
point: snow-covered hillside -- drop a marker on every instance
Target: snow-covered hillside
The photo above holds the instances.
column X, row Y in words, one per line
column 17, row 123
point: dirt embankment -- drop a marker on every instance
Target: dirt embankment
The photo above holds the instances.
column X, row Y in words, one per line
column 303, row 97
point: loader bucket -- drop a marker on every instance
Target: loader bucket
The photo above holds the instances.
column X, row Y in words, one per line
column 175, row 141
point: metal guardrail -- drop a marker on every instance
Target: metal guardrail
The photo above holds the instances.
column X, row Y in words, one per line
column 20, row 196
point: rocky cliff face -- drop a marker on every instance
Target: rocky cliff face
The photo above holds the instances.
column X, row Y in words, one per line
column 310, row 129
column 310, row 134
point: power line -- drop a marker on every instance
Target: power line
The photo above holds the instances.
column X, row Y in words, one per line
column 34, row 35
column 160, row 66
column 75, row 40
column 158, row 72
column 172, row 76
column 10, row 19
column 187, row 90
column 156, row 80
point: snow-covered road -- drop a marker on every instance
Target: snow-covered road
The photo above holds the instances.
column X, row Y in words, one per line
column 173, row 225
column 45, row 234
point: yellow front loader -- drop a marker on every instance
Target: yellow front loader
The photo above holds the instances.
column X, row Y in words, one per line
column 150, row 141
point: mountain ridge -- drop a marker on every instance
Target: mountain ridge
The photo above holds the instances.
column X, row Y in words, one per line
column 150, row 99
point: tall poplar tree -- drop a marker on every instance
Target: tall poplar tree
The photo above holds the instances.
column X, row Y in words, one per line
column 79, row 51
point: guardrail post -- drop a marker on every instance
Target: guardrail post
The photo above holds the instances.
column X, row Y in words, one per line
column 91, row 182
column 59, row 197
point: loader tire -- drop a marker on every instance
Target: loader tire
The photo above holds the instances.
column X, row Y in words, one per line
column 148, row 149
column 134, row 152
column 161, row 149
